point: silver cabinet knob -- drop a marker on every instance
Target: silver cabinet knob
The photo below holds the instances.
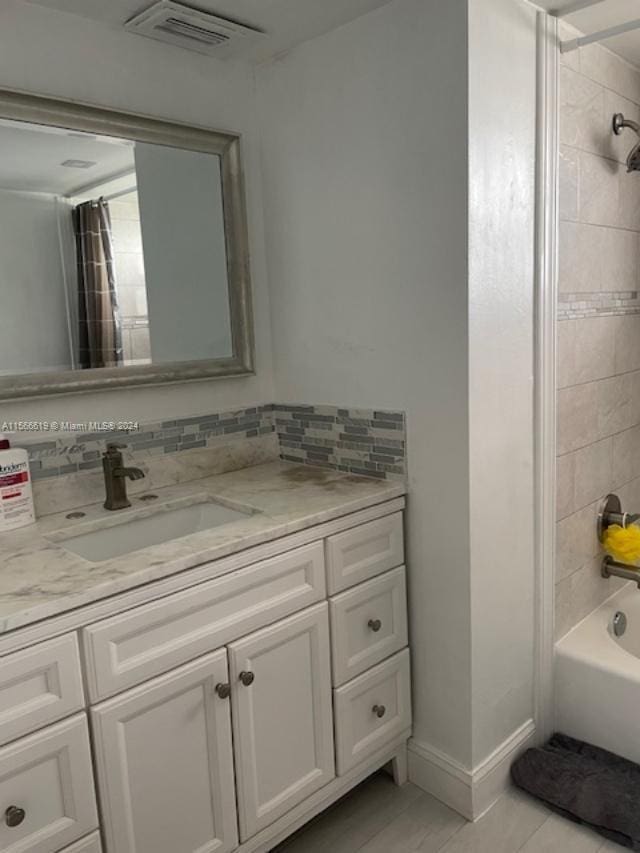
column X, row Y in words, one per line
column 247, row 678
column 375, row 625
column 14, row 816
column 223, row 690
column 379, row 711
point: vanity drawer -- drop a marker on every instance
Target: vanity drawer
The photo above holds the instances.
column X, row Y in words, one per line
column 359, row 729
column 47, row 781
column 38, row 686
column 130, row 648
column 90, row 844
column 363, row 552
column 368, row 624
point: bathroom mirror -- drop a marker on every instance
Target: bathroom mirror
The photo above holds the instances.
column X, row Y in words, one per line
column 123, row 250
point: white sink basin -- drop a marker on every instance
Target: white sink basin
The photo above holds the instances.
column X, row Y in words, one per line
column 163, row 526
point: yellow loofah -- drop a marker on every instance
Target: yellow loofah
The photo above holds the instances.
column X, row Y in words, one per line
column 623, row 543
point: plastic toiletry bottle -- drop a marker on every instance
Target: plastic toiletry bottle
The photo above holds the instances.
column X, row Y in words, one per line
column 16, row 497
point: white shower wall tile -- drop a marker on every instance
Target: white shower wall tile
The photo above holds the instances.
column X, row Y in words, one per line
column 600, row 65
column 599, row 190
column 593, row 472
column 568, row 183
column 577, row 541
column 565, row 485
column 578, row 416
column 582, row 111
column 596, row 410
column 627, row 344
column 596, row 259
column 585, row 351
column 626, row 456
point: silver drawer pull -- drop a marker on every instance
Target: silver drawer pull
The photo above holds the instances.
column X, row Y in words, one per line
column 379, row 711
column 14, row 816
column 375, row 625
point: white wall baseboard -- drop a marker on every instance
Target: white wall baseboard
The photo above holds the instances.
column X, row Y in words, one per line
column 469, row 792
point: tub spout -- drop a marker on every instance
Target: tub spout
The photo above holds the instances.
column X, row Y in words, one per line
column 611, row 568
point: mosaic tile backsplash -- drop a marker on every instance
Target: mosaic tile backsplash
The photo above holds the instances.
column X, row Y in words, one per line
column 359, row 441
column 71, row 453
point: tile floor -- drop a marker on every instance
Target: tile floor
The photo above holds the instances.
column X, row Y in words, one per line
column 377, row 817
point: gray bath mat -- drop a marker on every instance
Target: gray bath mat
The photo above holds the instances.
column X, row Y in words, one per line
column 585, row 784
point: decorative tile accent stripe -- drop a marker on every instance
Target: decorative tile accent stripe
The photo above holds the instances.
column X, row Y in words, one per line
column 358, row 441
column 70, row 453
column 579, row 306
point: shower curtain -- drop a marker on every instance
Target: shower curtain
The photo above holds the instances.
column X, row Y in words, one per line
column 100, row 326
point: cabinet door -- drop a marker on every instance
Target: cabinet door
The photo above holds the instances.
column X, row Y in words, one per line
column 165, row 764
column 282, row 719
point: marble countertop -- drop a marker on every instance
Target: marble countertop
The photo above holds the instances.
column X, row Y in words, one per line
column 39, row 578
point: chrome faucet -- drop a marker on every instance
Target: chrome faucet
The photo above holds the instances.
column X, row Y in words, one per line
column 115, row 477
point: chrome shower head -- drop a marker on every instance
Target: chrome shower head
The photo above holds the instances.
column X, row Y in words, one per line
column 620, row 122
column 633, row 160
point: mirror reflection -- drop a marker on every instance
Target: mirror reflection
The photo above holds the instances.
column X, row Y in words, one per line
column 112, row 252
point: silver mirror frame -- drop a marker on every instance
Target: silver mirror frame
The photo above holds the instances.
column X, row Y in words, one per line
column 58, row 113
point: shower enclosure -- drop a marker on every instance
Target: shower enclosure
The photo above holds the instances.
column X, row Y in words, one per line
column 598, row 372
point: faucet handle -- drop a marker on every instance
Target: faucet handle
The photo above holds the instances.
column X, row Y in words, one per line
column 113, row 447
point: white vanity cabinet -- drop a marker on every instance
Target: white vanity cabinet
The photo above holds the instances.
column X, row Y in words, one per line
column 225, row 712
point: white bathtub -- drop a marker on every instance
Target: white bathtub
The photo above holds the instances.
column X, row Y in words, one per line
column 597, row 678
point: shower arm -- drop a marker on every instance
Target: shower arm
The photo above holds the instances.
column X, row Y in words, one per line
column 620, row 122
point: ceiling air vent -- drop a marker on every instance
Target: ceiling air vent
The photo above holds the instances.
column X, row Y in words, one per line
column 190, row 28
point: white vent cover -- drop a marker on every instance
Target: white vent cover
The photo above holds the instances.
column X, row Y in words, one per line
column 192, row 29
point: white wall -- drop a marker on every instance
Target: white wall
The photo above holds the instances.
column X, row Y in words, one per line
column 373, row 195
column 502, row 139
column 365, row 175
column 73, row 58
column 34, row 335
column 185, row 260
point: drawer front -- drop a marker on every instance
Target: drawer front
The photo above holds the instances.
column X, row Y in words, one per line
column 130, row 648
column 38, row 686
column 90, row 844
column 361, row 730
column 363, row 552
column 49, row 777
column 368, row 624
